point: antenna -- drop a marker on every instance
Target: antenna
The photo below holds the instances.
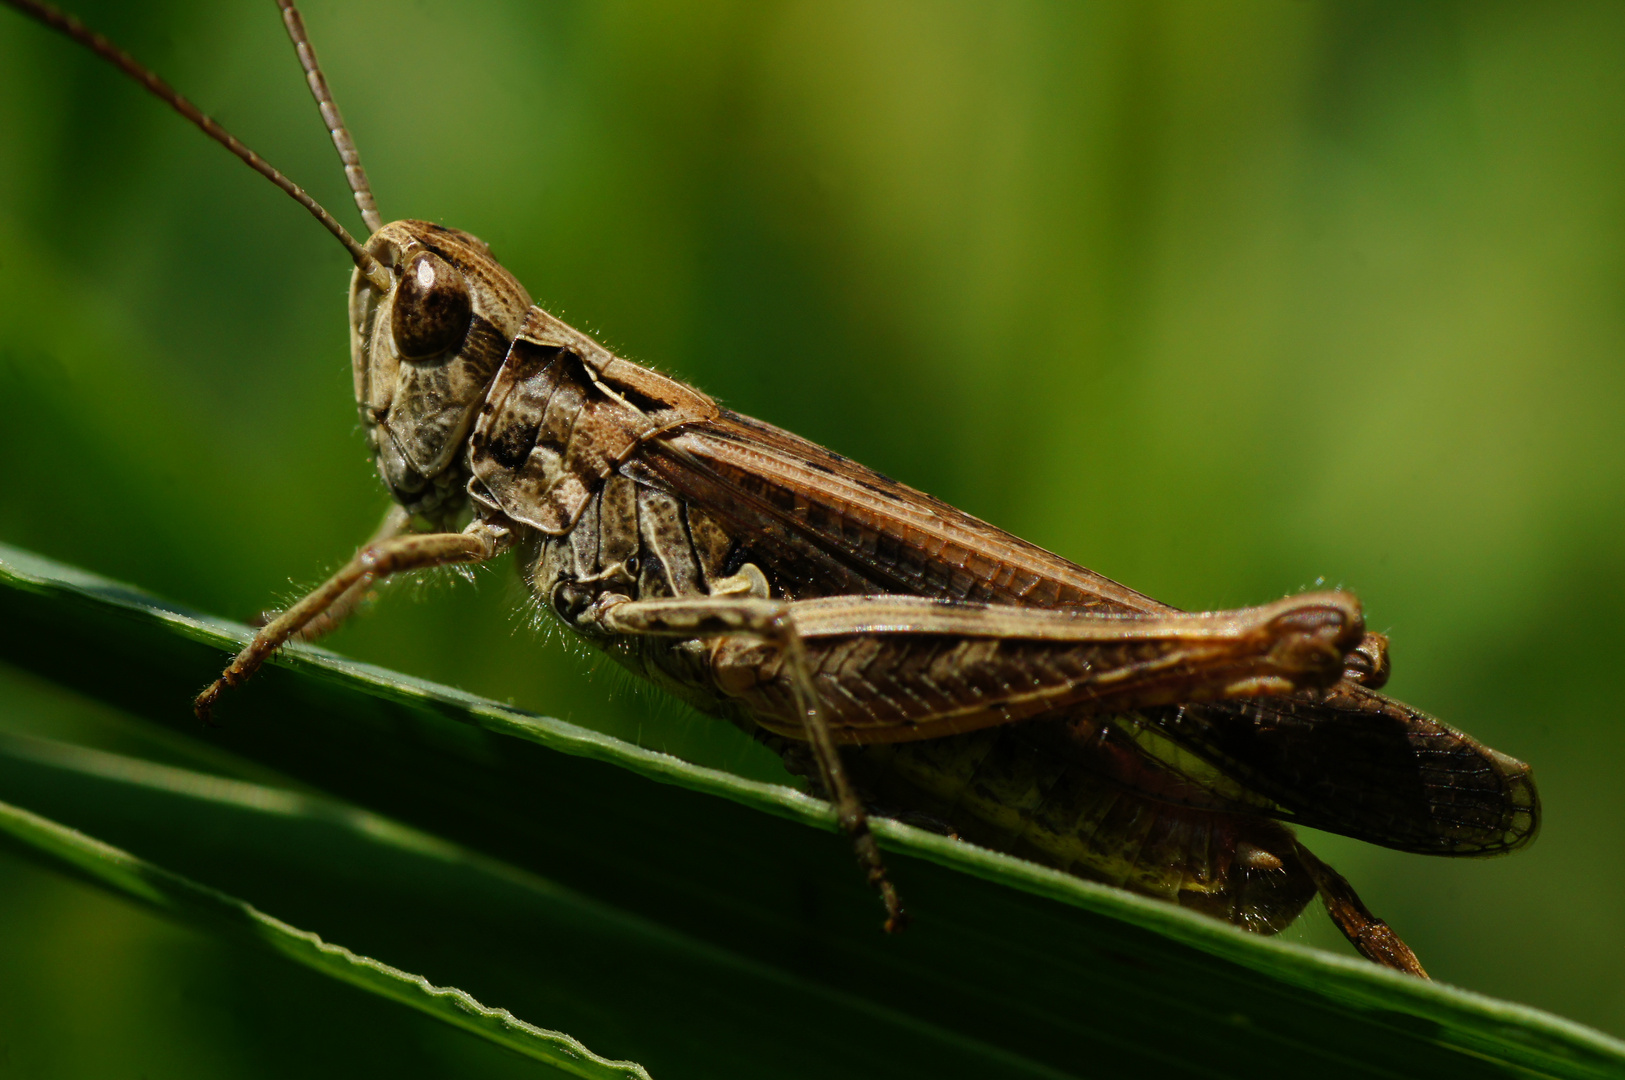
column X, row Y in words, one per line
column 353, row 172
column 79, row 32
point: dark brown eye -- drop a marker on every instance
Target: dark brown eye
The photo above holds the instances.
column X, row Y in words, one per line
column 432, row 308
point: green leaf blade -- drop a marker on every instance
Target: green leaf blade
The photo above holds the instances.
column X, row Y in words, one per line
column 199, row 905
column 1058, row 974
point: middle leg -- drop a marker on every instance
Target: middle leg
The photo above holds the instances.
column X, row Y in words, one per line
column 772, row 622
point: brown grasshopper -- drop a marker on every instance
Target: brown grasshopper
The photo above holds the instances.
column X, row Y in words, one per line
column 907, row 657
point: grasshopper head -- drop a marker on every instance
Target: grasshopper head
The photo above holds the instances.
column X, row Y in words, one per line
column 424, row 352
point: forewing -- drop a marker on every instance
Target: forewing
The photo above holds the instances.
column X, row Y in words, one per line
column 823, row 525
column 1350, row 761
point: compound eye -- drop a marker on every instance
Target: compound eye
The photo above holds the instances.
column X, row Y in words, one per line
column 432, row 308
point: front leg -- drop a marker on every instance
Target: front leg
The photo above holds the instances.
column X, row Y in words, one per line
column 477, row 543
column 397, row 521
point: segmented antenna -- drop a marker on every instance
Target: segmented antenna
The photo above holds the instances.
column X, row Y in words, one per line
column 78, row 31
column 353, row 172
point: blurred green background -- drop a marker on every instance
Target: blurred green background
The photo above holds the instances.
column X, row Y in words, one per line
column 1223, row 300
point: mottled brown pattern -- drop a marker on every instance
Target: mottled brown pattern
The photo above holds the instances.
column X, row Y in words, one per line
column 618, row 532
column 1181, row 811
column 557, row 423
column 1101, row 757
column 418, row 412
column 1353, row 761
column 888, row 687
column 837, row 527
column 1079, row 796
column 634, row 499
column 712, row 545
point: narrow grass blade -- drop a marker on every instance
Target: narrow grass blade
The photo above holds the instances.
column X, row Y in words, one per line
column 1069, row 975
column 199, row 905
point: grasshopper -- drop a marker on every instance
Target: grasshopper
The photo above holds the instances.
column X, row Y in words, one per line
column 906, row 657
